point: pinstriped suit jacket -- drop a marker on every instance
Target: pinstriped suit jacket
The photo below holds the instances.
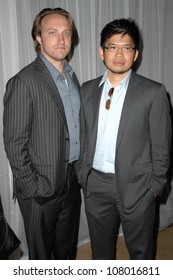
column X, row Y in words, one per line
column 36, row 136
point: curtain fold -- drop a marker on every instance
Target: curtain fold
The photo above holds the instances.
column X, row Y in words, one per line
column 16, row 50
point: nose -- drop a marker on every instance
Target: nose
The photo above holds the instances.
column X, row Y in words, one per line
column 119, row 50
column 60, row 37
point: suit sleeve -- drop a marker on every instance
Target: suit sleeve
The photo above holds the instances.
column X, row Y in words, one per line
column 160, row 131
column 17, row 122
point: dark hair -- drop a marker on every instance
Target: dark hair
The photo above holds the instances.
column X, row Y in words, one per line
column 36, row 29
column 121, row 26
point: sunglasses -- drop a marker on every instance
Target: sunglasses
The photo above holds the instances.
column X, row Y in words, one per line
column 108, row 102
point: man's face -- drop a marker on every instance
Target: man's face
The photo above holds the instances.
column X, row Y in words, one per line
column 119, row 62
column 55, row 38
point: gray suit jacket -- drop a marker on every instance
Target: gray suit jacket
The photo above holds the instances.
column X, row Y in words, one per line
column 143, row 141
column 36, row 136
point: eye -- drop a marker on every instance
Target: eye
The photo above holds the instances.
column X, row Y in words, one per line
column 127, row 48
column 67, row 33
column 112, row 47
column 52, row 33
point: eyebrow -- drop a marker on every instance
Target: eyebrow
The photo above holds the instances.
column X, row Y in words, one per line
column 121, row 44
column 55, row 29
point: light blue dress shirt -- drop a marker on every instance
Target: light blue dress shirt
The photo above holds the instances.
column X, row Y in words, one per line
column 108, row 124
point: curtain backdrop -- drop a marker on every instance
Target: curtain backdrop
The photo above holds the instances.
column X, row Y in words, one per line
column 16, row 50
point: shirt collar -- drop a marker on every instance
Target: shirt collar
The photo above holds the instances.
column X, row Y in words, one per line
column 124, row 82
column 52, row 68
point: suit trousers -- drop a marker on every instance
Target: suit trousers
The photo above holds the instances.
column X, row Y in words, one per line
column 52, row 227
column 104, row 213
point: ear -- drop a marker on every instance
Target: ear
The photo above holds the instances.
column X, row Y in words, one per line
column 38, row 38
column 101, row 53
column 136, row 55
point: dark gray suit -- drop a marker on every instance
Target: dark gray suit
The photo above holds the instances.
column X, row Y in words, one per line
column 142, row 157
column 36, row 140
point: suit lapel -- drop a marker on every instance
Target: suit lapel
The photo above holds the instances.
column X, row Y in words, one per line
column 48, row 82
column 95, row 111
column 96, row 102
column 127, row 107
